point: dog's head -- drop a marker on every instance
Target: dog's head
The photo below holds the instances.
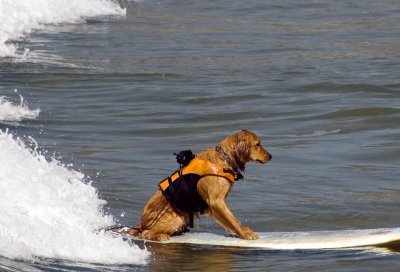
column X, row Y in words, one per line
column 244, row 146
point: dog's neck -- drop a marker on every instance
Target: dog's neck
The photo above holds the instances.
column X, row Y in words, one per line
column 230, row 162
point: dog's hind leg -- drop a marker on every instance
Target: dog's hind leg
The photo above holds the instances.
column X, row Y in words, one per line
column 150, row 235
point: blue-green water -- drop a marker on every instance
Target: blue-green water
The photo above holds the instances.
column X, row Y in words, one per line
column 318, row 81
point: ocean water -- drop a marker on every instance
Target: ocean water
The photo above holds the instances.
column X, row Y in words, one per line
column 96, row 96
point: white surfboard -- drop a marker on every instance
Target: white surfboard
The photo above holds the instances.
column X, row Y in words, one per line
column 295, row 240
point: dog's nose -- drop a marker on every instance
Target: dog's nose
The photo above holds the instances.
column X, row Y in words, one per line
column 269, row 156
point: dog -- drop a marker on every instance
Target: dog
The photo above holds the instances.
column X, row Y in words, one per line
column 219, row 166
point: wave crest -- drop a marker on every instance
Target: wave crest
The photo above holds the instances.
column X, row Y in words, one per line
column 13, row 112
column 48, row 211
column 19, row 18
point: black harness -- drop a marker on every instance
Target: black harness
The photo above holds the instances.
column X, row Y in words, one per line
column 181, row 187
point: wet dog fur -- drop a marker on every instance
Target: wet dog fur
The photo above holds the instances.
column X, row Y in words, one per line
column 160, row 219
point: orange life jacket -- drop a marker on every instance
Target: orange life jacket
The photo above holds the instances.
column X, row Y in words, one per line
column 181, row 187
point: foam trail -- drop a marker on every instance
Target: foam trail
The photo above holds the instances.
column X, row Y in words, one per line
column 48, row 211
column 12, row 112
column 19, row 18
column 316, row 133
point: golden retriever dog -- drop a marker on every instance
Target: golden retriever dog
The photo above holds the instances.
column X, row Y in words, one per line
column 161, row 218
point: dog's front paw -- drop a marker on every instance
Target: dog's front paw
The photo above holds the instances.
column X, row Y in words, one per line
column 249, row 234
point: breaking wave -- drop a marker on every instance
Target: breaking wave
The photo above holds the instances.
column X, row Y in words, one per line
column 14, row 112
column 49, row 211
column 20, row 18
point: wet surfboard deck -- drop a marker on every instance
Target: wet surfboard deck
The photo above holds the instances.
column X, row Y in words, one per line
column 336, row 239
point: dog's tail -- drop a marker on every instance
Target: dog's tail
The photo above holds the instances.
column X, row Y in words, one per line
column 124, row 230
column 135, row 231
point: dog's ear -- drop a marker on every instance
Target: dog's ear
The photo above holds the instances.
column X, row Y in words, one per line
column 241, row 146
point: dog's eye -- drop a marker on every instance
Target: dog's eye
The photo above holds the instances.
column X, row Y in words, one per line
column 258, row 144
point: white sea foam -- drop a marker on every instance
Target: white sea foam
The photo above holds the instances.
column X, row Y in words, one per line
column 316, row 133
column 19, row 18
column 48, row 211
column 15, row 112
